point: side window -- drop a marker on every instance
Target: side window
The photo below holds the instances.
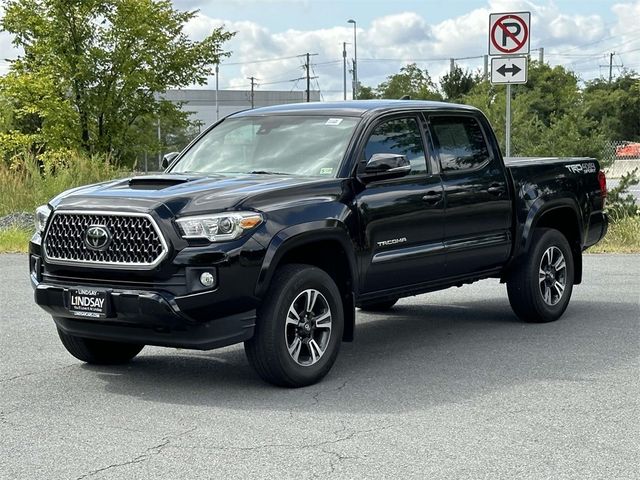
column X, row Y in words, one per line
column 400, row 136
column 460, row 143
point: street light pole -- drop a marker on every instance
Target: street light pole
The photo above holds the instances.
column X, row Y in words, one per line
column 355, row 59
column 344, row 68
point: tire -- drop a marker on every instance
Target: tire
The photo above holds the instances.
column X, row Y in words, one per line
column 279, row 331
column 535, row 291
column 99, row 352
column 382, row 306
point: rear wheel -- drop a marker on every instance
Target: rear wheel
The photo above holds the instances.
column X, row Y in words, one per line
column 298, row 329
column 382, row 306
column 540, row 287
column 100, row 352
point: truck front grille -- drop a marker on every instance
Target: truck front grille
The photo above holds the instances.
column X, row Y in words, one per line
column 133, row 240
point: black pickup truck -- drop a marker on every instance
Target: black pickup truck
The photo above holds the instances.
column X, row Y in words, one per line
column 273, row 225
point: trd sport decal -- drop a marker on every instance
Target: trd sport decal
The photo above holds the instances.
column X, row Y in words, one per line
column 582, row 168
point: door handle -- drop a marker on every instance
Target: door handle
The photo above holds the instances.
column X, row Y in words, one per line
column 432, row 197
column 497, row 189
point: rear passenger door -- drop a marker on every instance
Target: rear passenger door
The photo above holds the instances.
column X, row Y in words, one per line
column 477, row 232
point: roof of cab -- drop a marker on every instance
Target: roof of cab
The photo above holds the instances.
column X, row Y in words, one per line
column 354, row 108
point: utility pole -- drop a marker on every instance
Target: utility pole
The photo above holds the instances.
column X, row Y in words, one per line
column 253, row 85
column 541, row 55
column 486, row 67
column 452, row 65
column 308, row 69
column 611, row 66
column 344, row 69
column 217, row 87
column 159, row 145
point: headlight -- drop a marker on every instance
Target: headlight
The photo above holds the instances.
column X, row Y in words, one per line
column 219, row 227
column 42, row 215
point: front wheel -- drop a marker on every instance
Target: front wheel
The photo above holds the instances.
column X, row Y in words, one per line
column 298, row 329
column 99, row 352
column 540, row 287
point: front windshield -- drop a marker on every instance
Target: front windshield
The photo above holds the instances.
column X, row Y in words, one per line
column 288, row 144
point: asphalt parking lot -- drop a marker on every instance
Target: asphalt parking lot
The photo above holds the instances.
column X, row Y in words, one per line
column 451, row 385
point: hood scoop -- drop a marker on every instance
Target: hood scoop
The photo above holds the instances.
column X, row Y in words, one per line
column 156, row 182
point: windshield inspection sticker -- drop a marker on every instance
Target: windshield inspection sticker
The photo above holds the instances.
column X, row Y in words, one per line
column 334, row 122
column 326, row 171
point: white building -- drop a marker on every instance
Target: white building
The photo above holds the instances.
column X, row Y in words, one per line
column 203, row 102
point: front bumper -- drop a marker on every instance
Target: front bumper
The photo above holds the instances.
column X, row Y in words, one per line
column 148, row 318
column 165, row 307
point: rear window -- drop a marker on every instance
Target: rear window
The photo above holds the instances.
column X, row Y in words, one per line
column 460, row 143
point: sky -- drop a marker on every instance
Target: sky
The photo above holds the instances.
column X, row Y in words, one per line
column 391, row 33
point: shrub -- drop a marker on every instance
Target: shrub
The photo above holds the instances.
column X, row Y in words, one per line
column 27, row 181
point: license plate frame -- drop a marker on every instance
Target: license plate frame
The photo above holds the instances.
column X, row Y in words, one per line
column 88, row 302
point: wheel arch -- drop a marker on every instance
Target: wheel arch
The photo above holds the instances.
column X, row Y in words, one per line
column 323, row 244
column 562, row 215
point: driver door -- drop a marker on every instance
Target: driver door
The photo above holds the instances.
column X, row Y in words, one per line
column 402, row 219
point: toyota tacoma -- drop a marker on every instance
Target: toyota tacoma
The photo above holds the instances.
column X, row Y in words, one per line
column 275, row 224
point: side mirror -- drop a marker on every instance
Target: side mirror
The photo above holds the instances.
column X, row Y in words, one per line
column 382, row 166
column 168, row 159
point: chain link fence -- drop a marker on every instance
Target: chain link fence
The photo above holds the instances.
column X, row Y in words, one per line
column 620, row 157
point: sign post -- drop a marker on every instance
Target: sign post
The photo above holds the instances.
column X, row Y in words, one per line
column 509, row 36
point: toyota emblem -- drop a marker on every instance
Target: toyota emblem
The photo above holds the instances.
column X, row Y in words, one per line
column 97, row 237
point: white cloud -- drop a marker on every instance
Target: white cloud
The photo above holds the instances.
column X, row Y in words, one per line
column 407, row 36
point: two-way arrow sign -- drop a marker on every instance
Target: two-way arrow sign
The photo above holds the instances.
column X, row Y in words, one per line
column 503, row 70
column 509, row 70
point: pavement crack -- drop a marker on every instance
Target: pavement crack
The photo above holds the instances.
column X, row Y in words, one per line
column 317, row 445
column 337, row 459
column 315, row 396
column 28, row 374
column 143, row 457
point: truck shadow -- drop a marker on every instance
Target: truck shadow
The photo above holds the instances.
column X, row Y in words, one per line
column 416, row 357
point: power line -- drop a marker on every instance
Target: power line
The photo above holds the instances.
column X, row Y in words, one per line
column 264, row 60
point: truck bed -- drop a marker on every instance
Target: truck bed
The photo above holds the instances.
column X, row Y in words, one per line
column 528, row 161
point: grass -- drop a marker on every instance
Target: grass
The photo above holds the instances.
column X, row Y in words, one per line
column 14, row 240
column 26, row 183
column 623, row 237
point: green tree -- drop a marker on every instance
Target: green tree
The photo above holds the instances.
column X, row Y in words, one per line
column 457, row 83
column 366, row 93
column 410, row 81
column 97, row 67
column 616, row 106
column 536, row 130
column 550, row 91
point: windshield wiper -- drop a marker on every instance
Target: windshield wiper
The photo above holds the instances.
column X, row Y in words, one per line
column 266, row 172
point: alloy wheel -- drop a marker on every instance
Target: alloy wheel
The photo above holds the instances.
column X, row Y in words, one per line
column 552, row 275
column 307, row 328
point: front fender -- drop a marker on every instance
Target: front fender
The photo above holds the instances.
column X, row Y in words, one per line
column 297, row 235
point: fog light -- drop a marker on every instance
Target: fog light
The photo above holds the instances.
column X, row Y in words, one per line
column 207, row 280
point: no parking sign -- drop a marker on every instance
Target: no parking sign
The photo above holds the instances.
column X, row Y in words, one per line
column 509, row 33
